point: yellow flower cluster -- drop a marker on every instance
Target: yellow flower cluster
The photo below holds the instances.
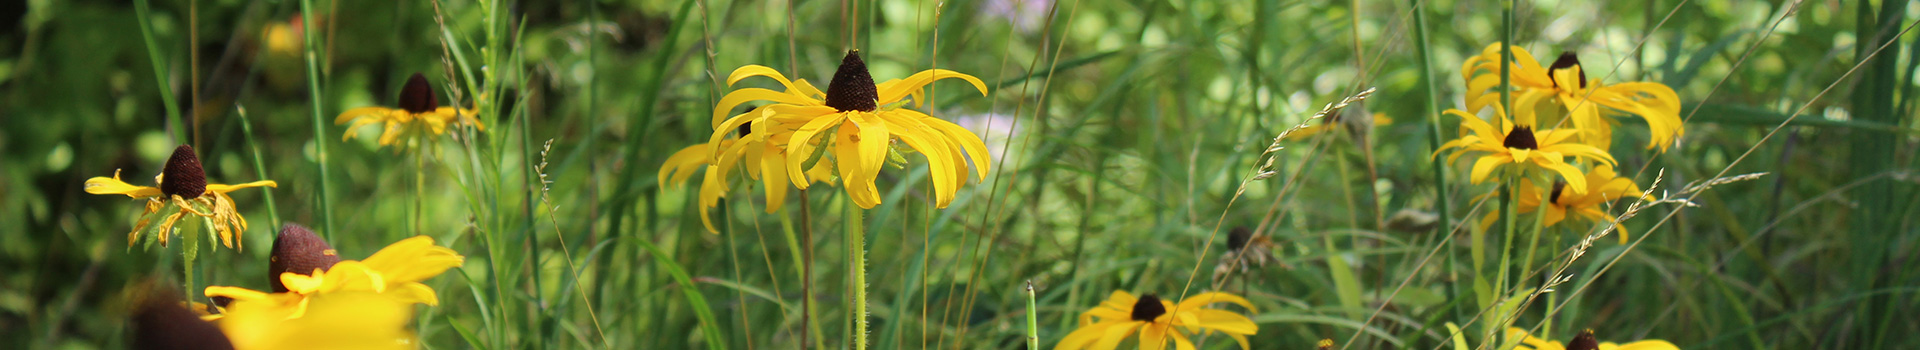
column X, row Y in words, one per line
column 1560, row 121
column 846, row 133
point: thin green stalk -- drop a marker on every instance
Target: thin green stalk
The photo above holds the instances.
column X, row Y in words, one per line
column 857, row 263
column 1033, row 319
column 419, row 190
column 141, row 12
column 1433, row 136
column 319, row 127
column 259, row 165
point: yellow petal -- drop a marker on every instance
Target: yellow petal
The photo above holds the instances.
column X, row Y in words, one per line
column 220, row 188
column 1111, row 337
column 113, row 185
column 1153, row 336
column 1198, row 301
column 737, row 97
column 896, row 90
column 801, row 146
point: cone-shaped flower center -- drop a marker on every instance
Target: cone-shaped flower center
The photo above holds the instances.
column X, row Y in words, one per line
column 1148, row 308
column 852, row 87
column 1568, row 60
column 417, row 96
column 1237, row 239
column 298, row 250
column 159, row 322
column 1554, row 197
column 183, row 176
column 1522, row 138
column 1584, row 341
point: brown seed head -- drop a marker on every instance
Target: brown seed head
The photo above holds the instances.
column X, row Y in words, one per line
column 1522, row 138
column 852, row 86
column 183, row 175
column 1584, row 341
column 1237, row 239
column 1554, row 197
column 298, row 250
column 1568, row 60
column 1148, row 308
column 160, row 323
column 417, row 96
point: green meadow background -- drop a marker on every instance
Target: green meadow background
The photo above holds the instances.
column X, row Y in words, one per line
column 1121, row 131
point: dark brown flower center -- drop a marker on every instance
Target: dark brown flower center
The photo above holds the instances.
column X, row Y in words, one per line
column 1568, row 60
column 159, row 322
column 298, row 250
column 1237, row 239
column 183, row 176
column 852, row 87
column 1554, row 197
column 745, row 128
column 1584, row 341
column 1148, row 308
column 417, row 96
column 1521, row 137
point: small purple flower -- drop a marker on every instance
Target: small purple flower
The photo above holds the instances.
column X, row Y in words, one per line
column 1025, row 15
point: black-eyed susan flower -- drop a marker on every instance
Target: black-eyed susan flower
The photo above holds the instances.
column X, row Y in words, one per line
column 765, row 159
column 418, row 116
column 1584, row 207
column 860, row 118
column 394, row 273
column 1583, row 341
column 1588, row 101
column 182, row 190
column 1157, row 321
column 1517, row 148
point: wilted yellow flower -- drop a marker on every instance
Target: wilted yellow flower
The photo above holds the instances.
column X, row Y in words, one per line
column 1584, row 341
column 1567, row 82
column 183, row 190
column 418, row 116
column 1122, row 315
column 863, row 119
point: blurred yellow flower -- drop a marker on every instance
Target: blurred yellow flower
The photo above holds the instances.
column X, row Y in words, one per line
column 394, row 273
column 1519, row 148
column 863, row 119
column 418, row 116
column 183, row 190
column 1567, row 82
column 340, row 320
column 1584, row 341
column 1122, row 315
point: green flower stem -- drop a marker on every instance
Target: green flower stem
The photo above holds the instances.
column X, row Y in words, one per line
column 857, row 263
column 259, row 166
column 141, row 11
column 311, row 52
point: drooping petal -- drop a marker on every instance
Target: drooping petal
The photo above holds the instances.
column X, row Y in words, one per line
column 1084, row 335
column 1225, row 321
column 739, row 96
column 1113, row 335
column 681, row 165
column 1198, row 301
column 222, row 188
column 801, row 147
column 1153, row 336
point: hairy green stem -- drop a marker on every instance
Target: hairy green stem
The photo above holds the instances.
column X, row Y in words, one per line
column 857, row 264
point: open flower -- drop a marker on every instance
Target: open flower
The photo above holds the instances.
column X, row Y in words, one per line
column 1584, row 341
column 1603, row 186
column 765, row 160
column 1518, row 148
column 419, row 115
column 1122, row 315
column 393, row 273
column 1566, row 82
column 861, row 118
column 182, row 190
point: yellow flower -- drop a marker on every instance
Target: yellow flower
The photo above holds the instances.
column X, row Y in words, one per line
column 419, row 115
column 1584, row 341
column 1567, row 82
column 863, row 118
column 1519, row 148
column 342, row 320
column 182, row 190
column 765, row 159
column 1603, row 186
column 393, row 273
column 1122, row 315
